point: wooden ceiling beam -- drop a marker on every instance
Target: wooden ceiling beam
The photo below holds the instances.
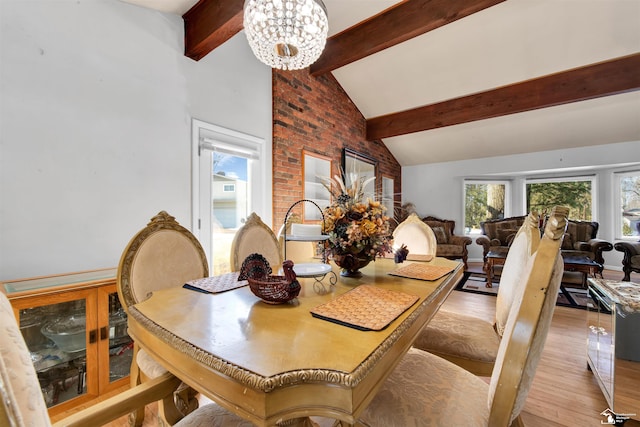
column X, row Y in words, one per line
column 606, row 78
column 210, row 23
column 390, row 27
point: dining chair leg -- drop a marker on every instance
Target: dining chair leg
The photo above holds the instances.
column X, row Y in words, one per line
column 135, row 418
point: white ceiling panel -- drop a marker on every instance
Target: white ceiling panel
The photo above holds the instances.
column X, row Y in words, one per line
column 511, row 42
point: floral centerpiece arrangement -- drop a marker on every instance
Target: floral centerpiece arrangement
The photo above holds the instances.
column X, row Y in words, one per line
column 358, row 229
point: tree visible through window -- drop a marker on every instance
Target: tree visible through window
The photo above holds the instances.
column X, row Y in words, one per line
column 483, row 200
column 575, row 193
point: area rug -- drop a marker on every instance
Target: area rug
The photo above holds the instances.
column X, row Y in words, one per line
column 569, row 297
column 476, row 283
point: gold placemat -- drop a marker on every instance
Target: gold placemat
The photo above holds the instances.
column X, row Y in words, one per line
column 216, row 284
column 411, row 257
column 422, row 271
column 419, row 257
column 366, row 307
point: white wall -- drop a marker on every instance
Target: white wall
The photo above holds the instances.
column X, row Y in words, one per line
column 95, row 126
column 437, row 189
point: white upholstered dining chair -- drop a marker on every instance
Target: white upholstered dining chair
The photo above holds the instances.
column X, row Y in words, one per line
column 22, row 403
column 471, row 342
column 255, row 237
column 416, row 235
column 427, row 390
column 163, row 254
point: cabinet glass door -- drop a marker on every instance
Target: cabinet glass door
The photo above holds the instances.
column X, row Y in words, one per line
column 120, row 344
column 56, row 337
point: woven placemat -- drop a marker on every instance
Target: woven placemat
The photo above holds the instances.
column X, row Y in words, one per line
column 366, row 308
column 419, row 257
column 422, row 271
column 411, row 257
column 216, row 284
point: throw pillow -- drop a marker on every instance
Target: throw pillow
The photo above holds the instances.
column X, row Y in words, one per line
column 441, row 235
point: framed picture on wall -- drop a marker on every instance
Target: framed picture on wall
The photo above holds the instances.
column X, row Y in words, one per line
column 360, row 165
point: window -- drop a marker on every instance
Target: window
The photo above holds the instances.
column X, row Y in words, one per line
column 484, row 200
column 627, row 218
column 576, row 193
column 316, row 168
column 229, row 182
column 387, row 196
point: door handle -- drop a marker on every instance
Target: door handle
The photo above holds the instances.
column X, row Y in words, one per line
column 93, row 336
column 104, row 333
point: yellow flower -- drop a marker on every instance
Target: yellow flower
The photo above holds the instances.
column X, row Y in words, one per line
column 368, row 227
column 360, row 208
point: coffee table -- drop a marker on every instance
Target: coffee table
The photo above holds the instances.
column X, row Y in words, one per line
column 493, row 258
column 584, row 265
column 579, row 263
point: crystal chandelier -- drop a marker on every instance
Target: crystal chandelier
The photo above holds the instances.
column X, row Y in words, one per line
column 286, row 34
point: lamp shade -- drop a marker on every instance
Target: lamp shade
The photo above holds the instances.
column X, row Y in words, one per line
column 286, row 34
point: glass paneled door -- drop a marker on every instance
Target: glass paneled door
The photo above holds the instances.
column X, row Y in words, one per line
column 229, row 167
column 229, row 205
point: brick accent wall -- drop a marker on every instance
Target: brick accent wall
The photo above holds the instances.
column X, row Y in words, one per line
column 315, row 114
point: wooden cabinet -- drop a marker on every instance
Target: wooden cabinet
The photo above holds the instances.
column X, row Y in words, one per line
column 613, row 347
column 75, row 329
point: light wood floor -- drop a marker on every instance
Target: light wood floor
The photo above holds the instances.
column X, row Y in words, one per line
column 564, row 392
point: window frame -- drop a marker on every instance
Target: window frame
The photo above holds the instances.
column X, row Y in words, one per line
column 313, row 189
column 617, row 204
column 594, row 189
column 204, row 137
column 388, row 198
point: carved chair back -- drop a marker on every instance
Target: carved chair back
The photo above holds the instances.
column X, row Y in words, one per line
column 161, row 255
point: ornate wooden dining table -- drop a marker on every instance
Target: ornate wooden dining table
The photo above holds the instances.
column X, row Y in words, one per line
column 278, row 364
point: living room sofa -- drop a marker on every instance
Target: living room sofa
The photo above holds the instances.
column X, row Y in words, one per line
column 579, row 239
column 449, row 245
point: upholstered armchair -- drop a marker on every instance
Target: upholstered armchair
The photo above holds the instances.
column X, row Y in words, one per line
column 497, row 234
column 580, row 240
column 631, row 260
column 448, row 244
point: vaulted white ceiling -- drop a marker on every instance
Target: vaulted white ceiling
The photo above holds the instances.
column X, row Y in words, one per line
column 513, row 41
